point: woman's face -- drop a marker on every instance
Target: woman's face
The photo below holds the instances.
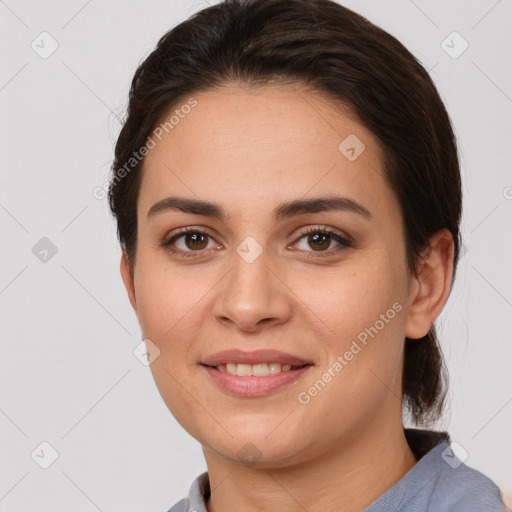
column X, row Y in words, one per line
column 256, row 279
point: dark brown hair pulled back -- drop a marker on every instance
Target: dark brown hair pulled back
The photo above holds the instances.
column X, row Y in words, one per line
column 347, row 59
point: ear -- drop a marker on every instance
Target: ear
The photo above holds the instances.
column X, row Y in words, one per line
column 128, row 280
column 431, row 286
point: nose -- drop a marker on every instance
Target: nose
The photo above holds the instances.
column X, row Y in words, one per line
column 252, row 297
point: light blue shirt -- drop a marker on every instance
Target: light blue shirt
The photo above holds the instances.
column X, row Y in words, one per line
column 439, row 482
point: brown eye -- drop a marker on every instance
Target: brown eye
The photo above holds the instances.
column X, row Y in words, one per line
column 189, row 243
column 319, row 240
column 195, row 241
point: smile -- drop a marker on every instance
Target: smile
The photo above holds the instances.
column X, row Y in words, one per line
column 256, row 370
column 239, row 380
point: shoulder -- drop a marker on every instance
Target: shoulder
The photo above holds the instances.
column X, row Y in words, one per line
column 453, row 486
column 460, row 487
column 181, row 506
column 439, row 482
column 197, row 496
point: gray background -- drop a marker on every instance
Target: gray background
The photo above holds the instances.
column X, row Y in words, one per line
column 68, row 373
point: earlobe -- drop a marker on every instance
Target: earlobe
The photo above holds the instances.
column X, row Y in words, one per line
column 128, row 280
column 432, row 285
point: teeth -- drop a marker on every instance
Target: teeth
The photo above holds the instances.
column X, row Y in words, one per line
column 258, row 370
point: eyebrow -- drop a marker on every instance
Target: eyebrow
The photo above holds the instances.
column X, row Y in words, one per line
column 282, row 211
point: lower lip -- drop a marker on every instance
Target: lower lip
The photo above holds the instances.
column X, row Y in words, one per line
column 254, row 386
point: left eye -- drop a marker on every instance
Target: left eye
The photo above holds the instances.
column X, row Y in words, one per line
column 320, row 240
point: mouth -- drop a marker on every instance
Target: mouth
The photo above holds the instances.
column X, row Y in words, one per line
column 256, row 373
column 256, row 370
column 262, row 358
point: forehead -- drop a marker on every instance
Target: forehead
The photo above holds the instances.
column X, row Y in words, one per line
column 245, row 146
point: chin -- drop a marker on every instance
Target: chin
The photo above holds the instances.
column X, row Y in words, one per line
column 255, row 449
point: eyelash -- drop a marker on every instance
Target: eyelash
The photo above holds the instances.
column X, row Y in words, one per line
column 344, row 242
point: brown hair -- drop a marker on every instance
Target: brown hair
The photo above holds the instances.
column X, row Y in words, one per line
column 347, row 59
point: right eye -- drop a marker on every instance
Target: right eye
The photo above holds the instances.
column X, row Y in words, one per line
column 192, row 241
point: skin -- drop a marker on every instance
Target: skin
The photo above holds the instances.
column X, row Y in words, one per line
column 248, row 151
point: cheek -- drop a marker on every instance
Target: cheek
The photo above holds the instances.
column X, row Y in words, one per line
column 170, row 311
column 362, row 319
column 349, row 300
column 167, row 298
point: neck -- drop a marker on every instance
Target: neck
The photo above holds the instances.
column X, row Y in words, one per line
column 349, row 478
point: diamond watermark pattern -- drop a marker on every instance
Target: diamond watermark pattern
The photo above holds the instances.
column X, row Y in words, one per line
column 249, row 249
column 454, row 45
column 45, row 455
column 44, row 250
column 44, row 45
column 249, row 454
column 351, row 147
column 455, row 455
column 146, row 352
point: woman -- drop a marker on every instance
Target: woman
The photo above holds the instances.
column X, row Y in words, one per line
column 287, row 193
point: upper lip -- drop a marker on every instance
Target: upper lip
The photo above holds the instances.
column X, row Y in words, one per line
column 253, row 357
